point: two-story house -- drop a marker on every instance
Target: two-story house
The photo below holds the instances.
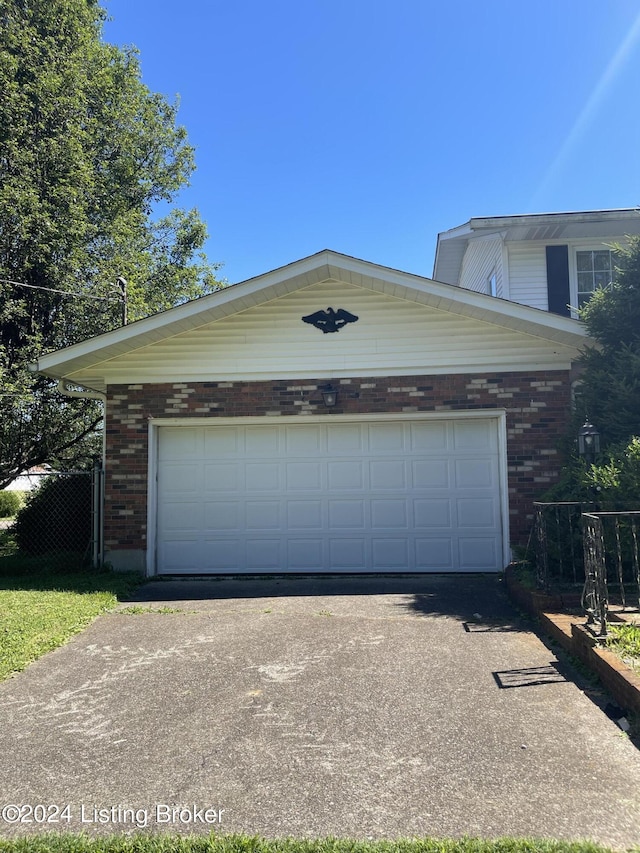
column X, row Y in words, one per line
column 551, row 261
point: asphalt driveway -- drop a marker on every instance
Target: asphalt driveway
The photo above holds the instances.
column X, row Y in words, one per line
column 366, row 707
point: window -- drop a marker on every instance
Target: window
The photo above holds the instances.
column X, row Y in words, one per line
column 492, row 284
column 595, row 269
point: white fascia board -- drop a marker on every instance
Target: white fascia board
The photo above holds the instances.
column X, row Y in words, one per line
column 500, row 222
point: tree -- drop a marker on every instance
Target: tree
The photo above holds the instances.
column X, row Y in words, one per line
column 86, row 154
column 609, row 393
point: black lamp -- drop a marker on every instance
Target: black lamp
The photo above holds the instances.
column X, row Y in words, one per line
column 588, row 440
column 329, row 395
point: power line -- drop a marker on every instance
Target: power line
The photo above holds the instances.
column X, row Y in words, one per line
column 53, row 290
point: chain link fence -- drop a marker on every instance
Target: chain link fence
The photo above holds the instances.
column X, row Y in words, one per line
column 63, row 514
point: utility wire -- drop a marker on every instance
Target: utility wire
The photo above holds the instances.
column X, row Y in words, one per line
column 53, row 290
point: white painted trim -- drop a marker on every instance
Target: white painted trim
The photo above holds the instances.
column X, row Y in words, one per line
column 503, row 463
column 155, row 424
column 152, row 498
column 506, row 279
column 574, row 247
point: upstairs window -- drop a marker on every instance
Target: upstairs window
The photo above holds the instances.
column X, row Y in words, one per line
column 492, row 284
column 595, row 270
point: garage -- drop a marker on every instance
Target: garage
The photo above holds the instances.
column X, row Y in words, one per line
column 328, row 494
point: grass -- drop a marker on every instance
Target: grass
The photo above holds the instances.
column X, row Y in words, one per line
column 44, row 601
column 247, row 844
column 624, row 640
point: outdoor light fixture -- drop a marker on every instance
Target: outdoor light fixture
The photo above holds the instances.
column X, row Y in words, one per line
column 329, row 395
column 588, row 440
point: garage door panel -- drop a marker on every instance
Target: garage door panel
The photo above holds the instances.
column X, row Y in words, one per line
column 477, row 553
column 262, row 442
column 181, row 515
column 303, row 440
column 263, row 515
column 180, row 447
column 390, row 554
column 345, row 475
column 329, row 496
column 432, row 513
column 184, row 478
column 429, row 437
column 386, row 438
column 264, row 554
column 347, row 514
column 177, row 554
column 388, row 474
column 345, row 439
column 434, row 554
column 475, row 473
column 391, row 514
column 477, row 512
column 304, row 476
column 263, row 477
column 431, row 474
column 306, row 554
column 474, row 435
column 348, row 554
column 221, row 442
column 223, row 515
column 305, row 515
column 222, row 477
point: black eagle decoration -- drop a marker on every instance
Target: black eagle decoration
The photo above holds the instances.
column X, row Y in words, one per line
column 330, row 320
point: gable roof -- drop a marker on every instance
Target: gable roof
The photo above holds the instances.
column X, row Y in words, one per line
column 85, row 362
column 598, row 224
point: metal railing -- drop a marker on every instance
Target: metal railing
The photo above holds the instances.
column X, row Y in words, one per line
column 557, row 542
column 612, row 565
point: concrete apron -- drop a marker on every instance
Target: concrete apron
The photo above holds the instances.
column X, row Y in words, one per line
column 363, row 707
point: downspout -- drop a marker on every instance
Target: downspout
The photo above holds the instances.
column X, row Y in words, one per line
column 86, row 394
column 98, row 479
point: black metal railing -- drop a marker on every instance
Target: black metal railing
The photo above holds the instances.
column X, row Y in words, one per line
column 557, row 543
column 612, row 565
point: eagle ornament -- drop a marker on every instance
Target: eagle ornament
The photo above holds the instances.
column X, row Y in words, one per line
column 330, row 320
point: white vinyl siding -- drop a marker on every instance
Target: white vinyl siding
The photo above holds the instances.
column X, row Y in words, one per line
column 390, row 495
column 528, row 274
column 482, row 258
column 391, row 337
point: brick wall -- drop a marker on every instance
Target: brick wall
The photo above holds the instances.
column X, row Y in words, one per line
column 537, row 405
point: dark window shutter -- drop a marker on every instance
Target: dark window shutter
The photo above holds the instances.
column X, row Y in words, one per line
column 558, row 280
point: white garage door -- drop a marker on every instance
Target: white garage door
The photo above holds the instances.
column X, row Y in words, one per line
column 330, row 496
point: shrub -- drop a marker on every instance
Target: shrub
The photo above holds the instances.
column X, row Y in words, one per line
column 10, row 503
column 56, row 517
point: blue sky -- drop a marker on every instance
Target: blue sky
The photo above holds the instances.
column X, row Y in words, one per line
column 368, row 126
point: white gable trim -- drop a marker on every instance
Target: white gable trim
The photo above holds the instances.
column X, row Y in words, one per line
column 326, row 266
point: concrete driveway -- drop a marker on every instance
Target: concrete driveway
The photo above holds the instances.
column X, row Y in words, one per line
column 366, row 707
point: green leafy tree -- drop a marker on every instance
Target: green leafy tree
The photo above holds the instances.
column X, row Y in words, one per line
column 87, row 154
column 609, row 393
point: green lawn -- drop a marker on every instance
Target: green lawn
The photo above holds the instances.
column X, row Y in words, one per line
column 46, row 600
column 246, row 844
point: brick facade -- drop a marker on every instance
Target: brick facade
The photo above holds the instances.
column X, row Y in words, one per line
column 537, row 405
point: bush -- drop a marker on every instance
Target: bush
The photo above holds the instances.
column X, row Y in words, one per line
column 56, row 517
column 10, row 503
